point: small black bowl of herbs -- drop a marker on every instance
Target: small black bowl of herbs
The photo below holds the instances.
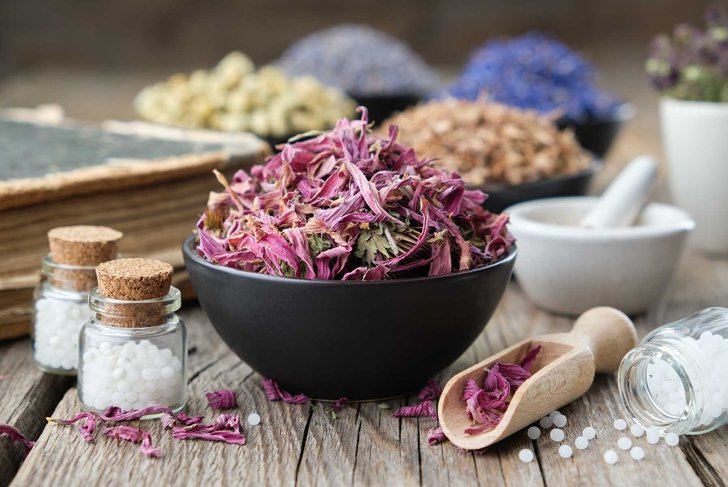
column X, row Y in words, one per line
column 346, row 266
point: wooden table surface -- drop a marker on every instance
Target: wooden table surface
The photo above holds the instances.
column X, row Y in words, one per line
column 364, row 445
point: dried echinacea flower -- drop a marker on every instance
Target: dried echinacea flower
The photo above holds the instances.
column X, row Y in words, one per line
column 115, row 413
column 424, row 408
column 435, row 436
column 226, row 428
column 16, row 437
column 222, row 399
column 274, row 393
column 350, row 205
column 134, row 435
column 486, row 403
column 169, row 420
column 431, row 391
column 87, row 425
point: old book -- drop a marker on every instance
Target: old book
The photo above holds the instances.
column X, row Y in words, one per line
column 147, row 181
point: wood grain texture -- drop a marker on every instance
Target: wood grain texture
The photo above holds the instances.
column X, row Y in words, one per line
column 364, row 445
column 27, row 396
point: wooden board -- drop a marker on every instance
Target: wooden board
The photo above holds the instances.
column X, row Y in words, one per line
column 366, row 446
column 27, row 396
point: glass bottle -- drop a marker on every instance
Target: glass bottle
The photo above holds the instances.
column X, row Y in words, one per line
column 675, row 379
column 60, row 308
column 133, row 354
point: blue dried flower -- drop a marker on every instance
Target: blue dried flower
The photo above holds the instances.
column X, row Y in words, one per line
column 537, row 72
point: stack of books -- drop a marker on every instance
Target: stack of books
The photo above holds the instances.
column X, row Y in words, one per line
column 150, row 182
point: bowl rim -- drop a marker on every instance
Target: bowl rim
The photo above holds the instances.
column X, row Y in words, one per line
column 621, row 113
column 594, row 167
column 538, row 228
column 188, row 251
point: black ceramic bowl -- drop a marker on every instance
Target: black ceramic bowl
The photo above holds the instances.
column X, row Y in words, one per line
column 333, row 339
column 501, row 196
column 597, row 134
column 381, row 107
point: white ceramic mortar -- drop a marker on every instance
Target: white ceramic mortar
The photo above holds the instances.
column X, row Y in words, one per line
column 569, row 269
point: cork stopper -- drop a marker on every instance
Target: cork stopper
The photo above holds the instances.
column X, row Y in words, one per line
column 134, row 280
column 83, row 245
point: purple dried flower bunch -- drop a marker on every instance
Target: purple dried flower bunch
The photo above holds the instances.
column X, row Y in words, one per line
column 350, row 205
column 692, row 64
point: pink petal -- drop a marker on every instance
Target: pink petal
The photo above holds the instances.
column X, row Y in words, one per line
column 527, row 361
column 134, row 435
column 222, row 399
column 435, row 436
column 424, row 408
column 431, row 391
column 340, row 403
column 16, row 437
column 87, row 428
column 274, row 393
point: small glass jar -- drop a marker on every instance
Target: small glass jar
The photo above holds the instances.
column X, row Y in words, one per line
column 133, row 354
column 60, row 308
column 675, row 379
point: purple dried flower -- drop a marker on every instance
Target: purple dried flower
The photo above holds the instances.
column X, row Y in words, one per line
column 134, row 435
column 436, row 436
column 527, row 362
column 222, row 399
column 274, row 393
column 349, row 205
column 226, row 428
column 169, row 420
column 431, row 391
column 16, row 437
column 115, row 413
column 424, row 408
column 87, row 428
column 339, row 404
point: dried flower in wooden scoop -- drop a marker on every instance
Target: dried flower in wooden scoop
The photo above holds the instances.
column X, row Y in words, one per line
column 274, row 393
column 222, row 399
column 134, row 435
column 485, row 405
column 16, row 437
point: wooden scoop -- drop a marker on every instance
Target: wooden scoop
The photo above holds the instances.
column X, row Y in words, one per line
column 563, row 371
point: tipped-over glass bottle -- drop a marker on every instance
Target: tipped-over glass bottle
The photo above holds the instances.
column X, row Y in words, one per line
column 675, row 379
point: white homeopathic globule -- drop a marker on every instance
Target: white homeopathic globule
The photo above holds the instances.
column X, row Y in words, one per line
column 55, row 333
column 134, row 375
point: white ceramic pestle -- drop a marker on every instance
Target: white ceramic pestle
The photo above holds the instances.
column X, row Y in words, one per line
column 622, row 202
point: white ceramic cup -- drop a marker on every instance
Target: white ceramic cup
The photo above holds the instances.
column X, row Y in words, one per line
column 695, row 137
